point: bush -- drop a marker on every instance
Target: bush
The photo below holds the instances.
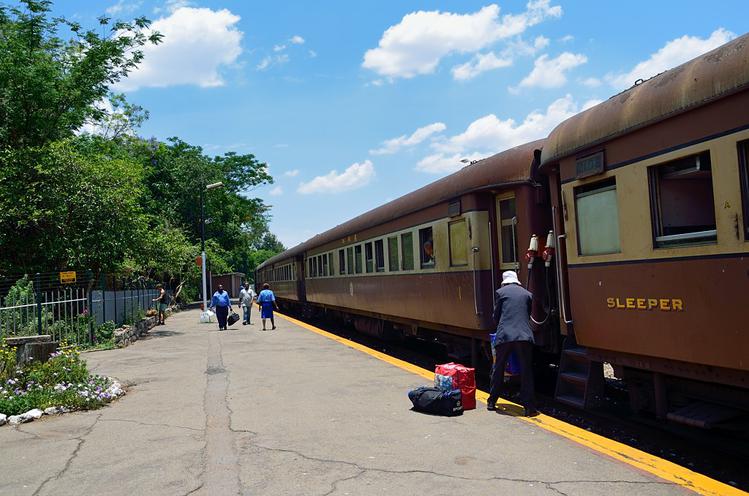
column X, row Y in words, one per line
column 63, row 380
column 105, row 332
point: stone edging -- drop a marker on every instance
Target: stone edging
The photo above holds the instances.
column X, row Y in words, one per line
column 128, row 334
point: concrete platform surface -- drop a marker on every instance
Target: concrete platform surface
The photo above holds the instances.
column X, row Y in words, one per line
column 288, row 412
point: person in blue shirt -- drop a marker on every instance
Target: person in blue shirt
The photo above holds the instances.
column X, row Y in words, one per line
column 222, row 304
column 266, row 300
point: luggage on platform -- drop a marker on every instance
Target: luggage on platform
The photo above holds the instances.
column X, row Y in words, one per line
column 233, row 318
column 454, row 376
column 207, row 317
column 436, row 401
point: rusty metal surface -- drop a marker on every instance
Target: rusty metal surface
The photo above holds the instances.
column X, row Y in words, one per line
column 508, row 167
column 714, row 75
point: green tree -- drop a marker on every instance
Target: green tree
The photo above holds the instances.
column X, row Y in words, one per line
column 49, row 86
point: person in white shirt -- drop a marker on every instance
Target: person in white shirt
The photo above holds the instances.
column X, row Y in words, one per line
column 246, row 297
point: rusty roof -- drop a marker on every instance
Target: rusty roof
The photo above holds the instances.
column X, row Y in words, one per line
column 709, row 77
column 507, row 167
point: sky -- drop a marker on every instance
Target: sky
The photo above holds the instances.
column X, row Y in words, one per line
column 353, row 104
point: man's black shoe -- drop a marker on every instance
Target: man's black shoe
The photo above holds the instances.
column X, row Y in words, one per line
column 491, row 405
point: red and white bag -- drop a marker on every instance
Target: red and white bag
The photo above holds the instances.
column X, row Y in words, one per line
column 459, row 377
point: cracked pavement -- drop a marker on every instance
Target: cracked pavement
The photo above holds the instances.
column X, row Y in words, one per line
column 287, row 412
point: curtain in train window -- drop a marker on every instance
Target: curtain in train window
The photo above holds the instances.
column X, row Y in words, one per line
column 744, row 175
column 393, row 261
column 341, row 262
column 357, row 259
column 683, row 208
column 458, row 233
column 597, row 218
column 407, row 250
column 368, row 257
column 426, row 248
column 350, row 259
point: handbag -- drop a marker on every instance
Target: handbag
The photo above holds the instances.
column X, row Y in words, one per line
column 232, row 319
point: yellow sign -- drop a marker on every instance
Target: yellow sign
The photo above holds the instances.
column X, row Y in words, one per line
column 661, row 304
column 67, row 277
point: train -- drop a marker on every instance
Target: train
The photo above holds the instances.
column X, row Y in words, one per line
column 635, row 214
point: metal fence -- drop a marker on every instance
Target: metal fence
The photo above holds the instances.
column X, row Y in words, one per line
column 71, row 306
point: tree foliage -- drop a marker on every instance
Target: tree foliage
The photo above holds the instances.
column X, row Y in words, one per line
column 109, row 201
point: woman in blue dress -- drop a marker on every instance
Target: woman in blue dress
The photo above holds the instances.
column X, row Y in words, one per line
column 266, row 300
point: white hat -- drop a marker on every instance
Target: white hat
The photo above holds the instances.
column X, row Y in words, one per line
column 509, row 277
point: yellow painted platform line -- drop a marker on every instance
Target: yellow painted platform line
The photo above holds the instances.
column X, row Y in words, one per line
column 644, row 461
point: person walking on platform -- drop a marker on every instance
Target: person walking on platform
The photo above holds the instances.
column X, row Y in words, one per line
column 246, row 298
column 222, row 303
column 512, row 312
column 266, row 300
column 161, row 304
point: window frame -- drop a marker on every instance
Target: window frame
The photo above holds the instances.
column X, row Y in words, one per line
column 600, row 186
column 656, row 217
column 450, row 242
column 513, row 221
column 358, row 266
column 743, row 153
column 392, row 259
column 403, row 246
column 431, row 264
column 381, row 243
column 369, row 257
column 350, row 260
column 342, row 262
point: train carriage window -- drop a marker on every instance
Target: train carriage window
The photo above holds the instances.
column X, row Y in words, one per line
column 458, row 233
column 508, row 233
column 325, row 265
column 319, row 266
column 407, row 250
column 379, row 246
column 681, row 199
column 357, row 259
column 310, row 268
column 744, row 175
column 393, row 261
column 350, row 259
column 426, row 248
column 368, row 257
column 341, row 262
column 597, row 218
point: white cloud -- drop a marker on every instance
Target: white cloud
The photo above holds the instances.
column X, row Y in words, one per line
column 291, row 173
column 438, row 163
column 480, row 63
column 417, row 44
column 566, row 38
column 550, row 73
column 394, row 145
column 489, row 134
column 123, row 7
column 197, row 44
column 355, row 176
column 279, row 48
column 592, row 82
column 312, row 54
column 673, row 53
column 272, row 60
column 277, row 191
column 297, row 40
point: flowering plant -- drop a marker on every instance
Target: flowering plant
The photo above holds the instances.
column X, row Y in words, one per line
column 63, row 380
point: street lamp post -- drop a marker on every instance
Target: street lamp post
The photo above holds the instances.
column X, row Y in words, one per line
column 202, row 238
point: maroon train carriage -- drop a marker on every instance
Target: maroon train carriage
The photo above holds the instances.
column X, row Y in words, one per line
column 650, row 194
column 427, row 264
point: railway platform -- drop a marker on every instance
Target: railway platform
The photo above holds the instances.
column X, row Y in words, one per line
column 297, row 411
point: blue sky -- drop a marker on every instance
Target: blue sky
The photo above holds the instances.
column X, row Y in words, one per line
column 390, row 94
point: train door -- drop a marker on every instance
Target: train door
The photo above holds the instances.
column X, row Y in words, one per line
column 507, row 233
